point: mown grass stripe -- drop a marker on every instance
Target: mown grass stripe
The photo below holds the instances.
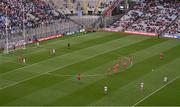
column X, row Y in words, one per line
column 167, row 96
column 148, row 44
column 131, row 92
column 28, row 100
column 125, row 78
column 60, row 41
column 30, row 88
column 77, row 56
column 65, row 38
column 45, row 54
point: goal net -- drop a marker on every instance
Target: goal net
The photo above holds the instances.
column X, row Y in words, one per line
column 13, row 44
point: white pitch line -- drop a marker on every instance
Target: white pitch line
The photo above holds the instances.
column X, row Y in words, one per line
column 88, row 75
column 68, row 54
column 13, row 84
column 39, row 74
column 11, row 61
column 42, row 61
column 27, row 65
column 62, row 75
column 156, row 91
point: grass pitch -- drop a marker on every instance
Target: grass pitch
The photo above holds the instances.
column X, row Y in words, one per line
column 51, row 80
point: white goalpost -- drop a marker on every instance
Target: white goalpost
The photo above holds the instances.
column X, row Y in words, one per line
column 13, row 43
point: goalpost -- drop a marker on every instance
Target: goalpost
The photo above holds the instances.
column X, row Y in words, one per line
column 13, row 43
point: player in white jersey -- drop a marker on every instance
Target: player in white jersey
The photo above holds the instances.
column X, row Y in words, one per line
column 53, row 51
column 165, row 79
column 37, row 44
column 142, row 86
column 105, row 89
column 24, row 60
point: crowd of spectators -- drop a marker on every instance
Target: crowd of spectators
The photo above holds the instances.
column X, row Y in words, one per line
column 32, row 12
column 158, row 16
column 77, row 5
column 174, row 29
column 151, row 16
column 129, row 17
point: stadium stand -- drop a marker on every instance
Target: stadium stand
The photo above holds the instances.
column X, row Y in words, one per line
column 158, row 16
column 174, row 29
column 52, row 17
column 87, row 20
column 36, row 13
column 149, row 16
column 77, row 5
column 129, row 17
column 25, row 21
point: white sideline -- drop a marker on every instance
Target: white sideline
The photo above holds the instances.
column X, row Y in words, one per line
column 155, row 91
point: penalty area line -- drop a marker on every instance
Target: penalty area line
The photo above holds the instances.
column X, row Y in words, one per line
column 155, row 91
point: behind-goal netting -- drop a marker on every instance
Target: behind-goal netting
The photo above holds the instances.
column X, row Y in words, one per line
column 12, row 43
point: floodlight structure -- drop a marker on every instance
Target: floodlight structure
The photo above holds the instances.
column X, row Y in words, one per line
column 85, row 7
column 97, row 6
column 71, row 6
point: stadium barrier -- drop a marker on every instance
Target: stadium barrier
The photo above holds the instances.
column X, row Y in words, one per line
column 58, row 36
column 141, row 33
column 111, row 30
column 50, row 37
column 71, row 33
column 130, row 32
column 172, row 36
column 20, row 43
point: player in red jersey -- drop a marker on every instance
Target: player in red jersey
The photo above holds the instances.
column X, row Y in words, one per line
column 78, row 77
column 116, row 67
column 161, row 56
column 124, row 65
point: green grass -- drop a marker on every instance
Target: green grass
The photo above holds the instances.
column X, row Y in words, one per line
column 51, row 80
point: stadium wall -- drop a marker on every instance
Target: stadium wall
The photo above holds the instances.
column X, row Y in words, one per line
column 177, row 36
column 40, row 35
